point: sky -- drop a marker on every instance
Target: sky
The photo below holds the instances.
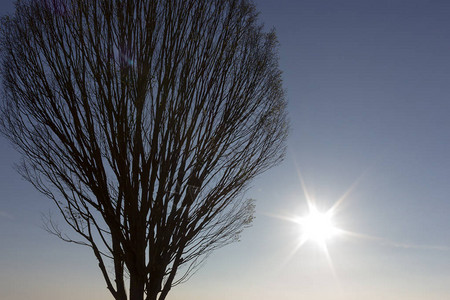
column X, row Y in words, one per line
column 368, row 85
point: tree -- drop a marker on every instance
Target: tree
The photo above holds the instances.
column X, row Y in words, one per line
column 145, row 122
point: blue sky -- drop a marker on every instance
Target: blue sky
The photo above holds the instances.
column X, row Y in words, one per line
column 368, row 84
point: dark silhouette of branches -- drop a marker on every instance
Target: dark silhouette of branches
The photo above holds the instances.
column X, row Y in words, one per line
column 144, row 122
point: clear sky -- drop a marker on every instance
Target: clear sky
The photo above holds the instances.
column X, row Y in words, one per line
column 368, row 84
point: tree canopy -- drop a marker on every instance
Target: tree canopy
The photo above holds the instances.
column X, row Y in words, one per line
column 144, row 121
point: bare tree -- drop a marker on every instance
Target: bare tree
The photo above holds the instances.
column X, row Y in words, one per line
column 144, row 121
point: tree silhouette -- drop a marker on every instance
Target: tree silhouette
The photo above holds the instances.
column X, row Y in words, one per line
column 144, row 121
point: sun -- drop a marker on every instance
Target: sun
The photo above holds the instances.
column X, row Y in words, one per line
column 317, row 226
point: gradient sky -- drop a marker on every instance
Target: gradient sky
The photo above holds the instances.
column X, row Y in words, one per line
column 368, row 84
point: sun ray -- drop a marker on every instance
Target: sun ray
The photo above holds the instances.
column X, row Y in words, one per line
column 308, row 198
column 348, row 192
column 387, row 242
column 330, row 261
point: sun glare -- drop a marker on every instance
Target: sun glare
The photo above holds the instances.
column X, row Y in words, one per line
column 317, row 226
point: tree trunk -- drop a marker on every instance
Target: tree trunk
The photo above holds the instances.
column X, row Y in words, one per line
column 136, row 288
column 152, row 295
column 154, row 287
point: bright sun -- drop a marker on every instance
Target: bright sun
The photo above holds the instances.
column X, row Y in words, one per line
column 317, row 226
